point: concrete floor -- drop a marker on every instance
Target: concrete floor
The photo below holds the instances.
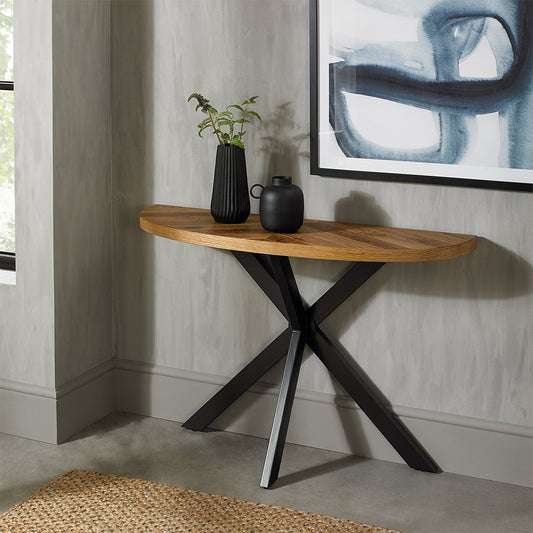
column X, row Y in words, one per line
column 369, row 491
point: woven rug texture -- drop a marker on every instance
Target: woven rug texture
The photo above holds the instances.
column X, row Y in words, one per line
column 82, row 501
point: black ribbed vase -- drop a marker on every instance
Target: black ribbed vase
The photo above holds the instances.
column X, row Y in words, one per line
column 230, row 203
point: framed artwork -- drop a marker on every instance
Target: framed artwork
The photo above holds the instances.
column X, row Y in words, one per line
column 431, row 91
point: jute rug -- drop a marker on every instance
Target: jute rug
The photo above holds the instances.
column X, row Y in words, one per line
column 81, row 501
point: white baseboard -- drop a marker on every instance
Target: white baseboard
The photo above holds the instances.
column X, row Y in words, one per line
column 53, row 415
column 462, row 445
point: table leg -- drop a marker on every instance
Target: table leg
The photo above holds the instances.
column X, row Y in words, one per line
column 371, row 403
column 238, row 385
column 343, row 288
column 292, row 301
column 261, row 272
column 280, row 424
column 273, row 274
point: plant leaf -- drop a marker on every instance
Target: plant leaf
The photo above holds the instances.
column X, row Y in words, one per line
column 236, row 142
column 237, row 107
column 241, row 120
column 194, row 95
column 204, row 123
column 255, row 115
column 250, row 100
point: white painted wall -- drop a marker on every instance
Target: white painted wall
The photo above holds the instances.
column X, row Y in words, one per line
column 453, row 337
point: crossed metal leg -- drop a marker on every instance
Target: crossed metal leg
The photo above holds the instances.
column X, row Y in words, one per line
column 274, row 275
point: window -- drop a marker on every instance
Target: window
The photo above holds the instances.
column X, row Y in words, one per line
column 7, row 152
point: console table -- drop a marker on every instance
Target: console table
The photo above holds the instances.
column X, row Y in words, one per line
column 265, row 256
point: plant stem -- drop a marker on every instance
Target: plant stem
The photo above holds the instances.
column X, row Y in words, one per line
column 214, row 127
column 242, row 124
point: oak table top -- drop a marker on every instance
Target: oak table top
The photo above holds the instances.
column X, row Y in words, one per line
column 316, row 239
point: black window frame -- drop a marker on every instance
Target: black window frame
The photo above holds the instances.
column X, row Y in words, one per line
column 7, row 259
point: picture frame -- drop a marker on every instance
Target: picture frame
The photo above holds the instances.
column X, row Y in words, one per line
column 385, row 105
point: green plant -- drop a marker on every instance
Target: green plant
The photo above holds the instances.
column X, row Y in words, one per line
column 228, row 125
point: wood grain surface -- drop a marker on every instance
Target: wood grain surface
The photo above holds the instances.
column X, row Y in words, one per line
column 316, row 239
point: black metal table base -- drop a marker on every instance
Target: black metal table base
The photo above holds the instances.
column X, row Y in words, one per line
column 274, row 275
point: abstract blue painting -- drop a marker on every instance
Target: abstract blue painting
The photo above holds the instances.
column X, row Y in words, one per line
column 436, row 89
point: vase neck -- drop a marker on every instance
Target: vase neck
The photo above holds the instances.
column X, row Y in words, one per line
column 281, row 181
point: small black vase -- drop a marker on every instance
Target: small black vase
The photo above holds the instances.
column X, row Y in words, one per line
column 230, row 203
column 281, row 205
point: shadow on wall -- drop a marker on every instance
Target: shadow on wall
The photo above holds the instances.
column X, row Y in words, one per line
column 133, row 170
column 490, row 271
column 282, row 145
column 361, row 208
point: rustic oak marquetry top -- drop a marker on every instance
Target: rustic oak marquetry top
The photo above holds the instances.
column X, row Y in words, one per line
column 316, row 239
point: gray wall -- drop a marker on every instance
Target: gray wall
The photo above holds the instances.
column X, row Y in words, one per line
column 82, row 185
column 452, row 337
column 55, row 323
column 27, row 309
